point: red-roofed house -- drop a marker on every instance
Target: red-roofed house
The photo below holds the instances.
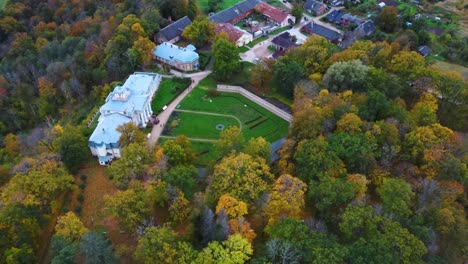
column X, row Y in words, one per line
column 235, row 35
column 276, row 15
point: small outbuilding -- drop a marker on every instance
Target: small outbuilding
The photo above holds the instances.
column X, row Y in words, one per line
column 424, row 50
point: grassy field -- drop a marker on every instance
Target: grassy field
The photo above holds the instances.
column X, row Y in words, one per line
column 166, row 92
column 224, row 4
column 2, row 4
column 445, row 66
column 451, row 6
column 205, row 153
column 256, row 41
column 243, row 49
column 199, row 125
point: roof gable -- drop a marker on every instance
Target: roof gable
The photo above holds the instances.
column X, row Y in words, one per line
column 424, row 50
column 175, row 29
column 234, row 11
column 233, row 33
column 323, row 31
column 284, row 40
column 313, row 5
column 277, row 14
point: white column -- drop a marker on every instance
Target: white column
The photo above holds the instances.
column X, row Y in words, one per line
column 146, row 118
column 149, row 109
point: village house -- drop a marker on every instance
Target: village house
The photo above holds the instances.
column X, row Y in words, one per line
column 319, row 30
column 235, row 35
column 185, row 59
column 363, row 30
column 424, row 50
column 129, row 103
column 282, row 43
column 173, row 31
column 235, row 13
column 275, row 15
column 314, row 7
column 343, row 19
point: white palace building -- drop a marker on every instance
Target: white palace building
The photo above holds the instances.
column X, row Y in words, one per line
column 130, row 102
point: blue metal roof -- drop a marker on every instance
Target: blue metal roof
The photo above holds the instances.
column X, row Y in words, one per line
column 131, row 96
column 106, row 130
column 171, row 52
column 104, row 159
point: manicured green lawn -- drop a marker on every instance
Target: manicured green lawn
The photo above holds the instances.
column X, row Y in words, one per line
column 243, row 49
column 279, row 30
column 256, row 121
column 269, row 126
column 276, row 3
column 205, row 153
column 167, row 92
column 197, row 125
column 256, row 41
column 224, row 4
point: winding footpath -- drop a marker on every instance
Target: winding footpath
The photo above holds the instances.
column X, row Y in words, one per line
column 164, row 115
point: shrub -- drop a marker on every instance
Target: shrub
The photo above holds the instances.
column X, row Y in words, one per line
column 83, row 178
column 80, row 198
column 205, row 58
column 66, row 210
column 78, row 209
column 82, row 186
column 213, row 93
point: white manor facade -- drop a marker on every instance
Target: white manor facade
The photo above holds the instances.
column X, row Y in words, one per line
column 130, row 102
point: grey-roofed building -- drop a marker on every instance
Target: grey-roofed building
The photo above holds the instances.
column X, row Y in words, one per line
column 236, row 12
column 173, row 31
column 424, row 50
column 283, row 42
column 334, row 16
column 315, row 7
column 366, row 28
column 316, row 29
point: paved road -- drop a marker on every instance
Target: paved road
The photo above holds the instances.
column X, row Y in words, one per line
column 164, row 115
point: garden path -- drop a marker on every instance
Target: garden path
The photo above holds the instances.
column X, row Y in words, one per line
column 164, row 115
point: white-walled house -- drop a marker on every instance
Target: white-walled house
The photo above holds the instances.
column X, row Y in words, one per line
column 130, row 102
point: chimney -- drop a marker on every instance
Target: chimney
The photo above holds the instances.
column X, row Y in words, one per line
column 169, row 19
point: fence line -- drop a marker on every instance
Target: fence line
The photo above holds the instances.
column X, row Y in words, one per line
column 270, row 107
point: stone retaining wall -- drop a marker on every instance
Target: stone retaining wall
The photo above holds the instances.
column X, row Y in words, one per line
column 270, row 107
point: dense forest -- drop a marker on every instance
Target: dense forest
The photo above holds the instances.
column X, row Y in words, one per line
column 373, row 170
